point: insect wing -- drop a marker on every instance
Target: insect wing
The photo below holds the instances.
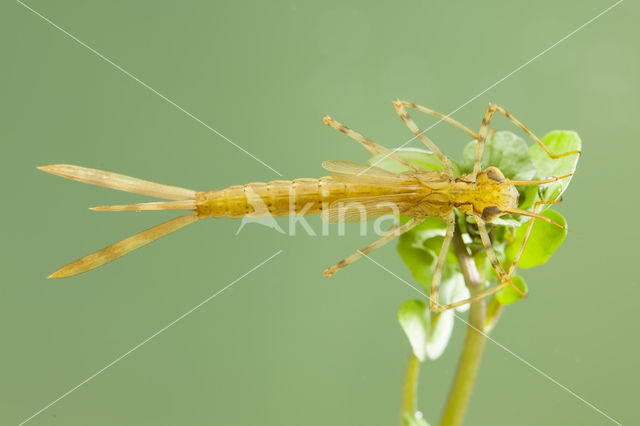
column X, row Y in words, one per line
column 346, row 171
column 361, row 209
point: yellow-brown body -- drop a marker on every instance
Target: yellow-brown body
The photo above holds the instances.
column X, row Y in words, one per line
column 422, row 194
column 483, row 194
column 374, row 192
column 305, row 196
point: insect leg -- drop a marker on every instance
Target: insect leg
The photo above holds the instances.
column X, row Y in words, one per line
column 441, row 116
column 402, row 112
column 482, row 137
column 392, row 233
column 530, row 133
column 504, row 278
column 481, row 295
column 437, row 274
column 488, row 248
column 367, row 143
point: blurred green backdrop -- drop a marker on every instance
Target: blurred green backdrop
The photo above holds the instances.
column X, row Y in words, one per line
column 284, row 346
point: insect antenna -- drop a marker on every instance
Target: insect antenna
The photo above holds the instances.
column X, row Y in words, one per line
column 539, row 182
column 536, row 216
column 547, row 180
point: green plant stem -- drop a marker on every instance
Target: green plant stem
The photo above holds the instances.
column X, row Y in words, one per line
column 474, row 342
column 410, row 386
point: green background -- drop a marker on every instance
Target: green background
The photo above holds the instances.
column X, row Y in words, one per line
column 285, row 346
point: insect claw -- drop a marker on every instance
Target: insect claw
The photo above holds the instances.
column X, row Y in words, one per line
column 328, row 272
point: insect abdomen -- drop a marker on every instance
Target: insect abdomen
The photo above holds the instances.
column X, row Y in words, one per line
column 277, row 198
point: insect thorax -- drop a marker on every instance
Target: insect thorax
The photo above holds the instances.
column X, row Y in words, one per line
column 489, row 196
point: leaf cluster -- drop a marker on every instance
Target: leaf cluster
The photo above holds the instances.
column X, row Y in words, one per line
column 429, row 333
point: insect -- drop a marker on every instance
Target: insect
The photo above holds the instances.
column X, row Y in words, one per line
column 416, row 193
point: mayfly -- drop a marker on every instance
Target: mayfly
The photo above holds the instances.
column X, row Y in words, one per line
column 483, row 194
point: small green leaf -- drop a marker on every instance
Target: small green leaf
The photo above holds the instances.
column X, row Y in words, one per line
column 427, row 336
column 558, row 142
column 418, row 253
column 419, row 261
column 421, row 158
column 413, row 317
column 414, row 419
column 453, row 288
column 504, row 150
column 528, row 196
column 544, row 240
column 435, row 245
column 508, row 295
column 439, row 334
column 429, row 228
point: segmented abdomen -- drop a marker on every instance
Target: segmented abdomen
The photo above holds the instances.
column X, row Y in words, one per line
column 282, row 197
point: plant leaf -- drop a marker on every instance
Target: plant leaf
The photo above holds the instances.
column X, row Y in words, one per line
column 544, row 241
column 419, row 261
column 504, row 150
column 413, row 317
column 439, row 334
column 434, row 245
column 429, row 228
column 508, row 295
column 528, row 196
column 417, row 253
column 454, row 289
column 427, row 336
column 558, row 142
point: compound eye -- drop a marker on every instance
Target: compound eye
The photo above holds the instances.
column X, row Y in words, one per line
column 490, row 213
column 494, row 174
